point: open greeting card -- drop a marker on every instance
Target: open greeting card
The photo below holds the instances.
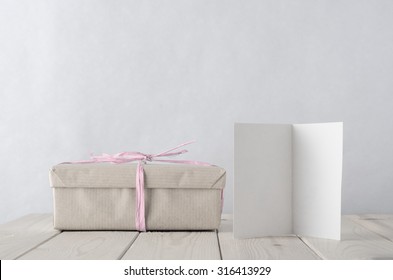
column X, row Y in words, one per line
column 288, row 180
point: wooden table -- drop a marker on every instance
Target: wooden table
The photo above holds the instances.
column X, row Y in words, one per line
column 33, row 237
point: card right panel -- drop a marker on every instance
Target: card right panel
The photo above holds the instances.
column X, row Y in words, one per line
column 317, row 174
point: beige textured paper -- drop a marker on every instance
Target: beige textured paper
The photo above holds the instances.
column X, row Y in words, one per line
column 102, row 196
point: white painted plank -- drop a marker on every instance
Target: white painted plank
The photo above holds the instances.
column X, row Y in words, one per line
column 19, row 236
column 357, row 242
column 84, row 245
column 381, row 224
column 264, row 248
column 174, row 246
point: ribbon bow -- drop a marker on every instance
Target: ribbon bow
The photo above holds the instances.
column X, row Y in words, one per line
column 142, row 158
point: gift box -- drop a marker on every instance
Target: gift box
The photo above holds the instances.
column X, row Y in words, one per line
column 104, row 196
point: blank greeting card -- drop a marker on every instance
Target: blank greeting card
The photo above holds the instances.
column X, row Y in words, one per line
column 288, row 180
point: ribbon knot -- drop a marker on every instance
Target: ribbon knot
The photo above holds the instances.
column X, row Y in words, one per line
column 141, row 158
column 148, row 158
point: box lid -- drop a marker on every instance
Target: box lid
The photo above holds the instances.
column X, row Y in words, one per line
column 107, row 175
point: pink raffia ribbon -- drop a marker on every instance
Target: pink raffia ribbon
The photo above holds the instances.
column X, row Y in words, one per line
column 142, row 158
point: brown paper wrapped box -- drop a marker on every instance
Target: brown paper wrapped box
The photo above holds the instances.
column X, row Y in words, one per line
column 101, row 196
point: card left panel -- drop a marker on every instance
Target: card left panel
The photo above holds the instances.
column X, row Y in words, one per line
column 263, row 180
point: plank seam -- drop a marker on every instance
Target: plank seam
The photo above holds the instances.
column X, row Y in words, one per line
column 314, row 251
column 128, row 246
column 219, row 246
column 36, row 246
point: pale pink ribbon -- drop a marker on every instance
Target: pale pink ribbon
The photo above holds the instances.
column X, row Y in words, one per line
column 124, row 157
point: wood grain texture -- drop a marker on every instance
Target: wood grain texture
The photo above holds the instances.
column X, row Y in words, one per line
column 357, row 242
column 20, row 236
column 272, row 248
column 174, row 246
column 33, row 237
column 84, row 245
column 381, row 224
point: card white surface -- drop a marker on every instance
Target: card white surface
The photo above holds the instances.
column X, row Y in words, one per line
column 288, row 180
column 263, row 181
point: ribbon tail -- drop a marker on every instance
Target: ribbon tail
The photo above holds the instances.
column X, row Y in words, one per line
column 140, row 199
column 175, row 148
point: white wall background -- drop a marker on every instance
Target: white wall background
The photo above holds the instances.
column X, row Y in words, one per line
column 106, row 76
